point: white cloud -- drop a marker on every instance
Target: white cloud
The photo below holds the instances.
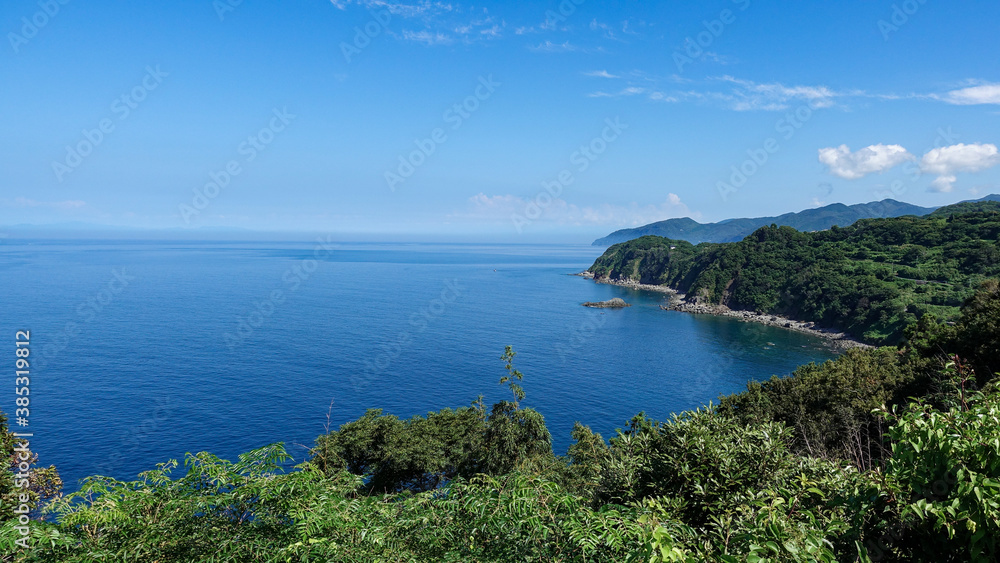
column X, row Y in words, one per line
column 656, row 96
column 600, row 74
column 945, row 162
column 427, row 37
column 748, row 95
column 607, row 31
column 435, row 22
column 500, row 208
column 397, row 8
column 853, row 165
column 492, row 32
column 627, row 91
column 981, row 94
column 550, row 47
column 661, row 97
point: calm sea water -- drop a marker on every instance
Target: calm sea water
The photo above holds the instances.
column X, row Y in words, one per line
column 143, row 351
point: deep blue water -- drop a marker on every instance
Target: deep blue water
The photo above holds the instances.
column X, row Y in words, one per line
column 143, row 351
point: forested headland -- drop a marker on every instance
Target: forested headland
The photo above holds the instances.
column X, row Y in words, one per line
column 870, row 280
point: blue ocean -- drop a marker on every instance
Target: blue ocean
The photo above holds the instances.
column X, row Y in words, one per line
column 142, row 351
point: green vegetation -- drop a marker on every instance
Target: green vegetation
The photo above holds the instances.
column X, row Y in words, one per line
column 871, row 280
column 989, row 203
column 884, row 454
column 42, row 483
column 734, row 230
column 420, row 454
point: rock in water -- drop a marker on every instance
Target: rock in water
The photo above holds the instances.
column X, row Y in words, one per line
column 615, row 303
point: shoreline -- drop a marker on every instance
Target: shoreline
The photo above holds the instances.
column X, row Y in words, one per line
column 678, row 302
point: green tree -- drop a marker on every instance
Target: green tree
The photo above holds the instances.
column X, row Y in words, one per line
column 41, row 485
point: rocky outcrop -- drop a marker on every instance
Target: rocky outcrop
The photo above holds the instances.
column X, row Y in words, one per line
column 615, row 303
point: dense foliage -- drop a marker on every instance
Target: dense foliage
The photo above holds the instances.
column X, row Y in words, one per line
column 41, row 484
column 871, row 279
column 701, row 487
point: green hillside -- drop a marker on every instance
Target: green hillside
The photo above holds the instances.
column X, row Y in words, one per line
column 819, row 219
column 870, row 279
column 733, row 230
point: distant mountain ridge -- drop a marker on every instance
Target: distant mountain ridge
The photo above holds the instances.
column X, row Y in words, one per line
column 733, row 230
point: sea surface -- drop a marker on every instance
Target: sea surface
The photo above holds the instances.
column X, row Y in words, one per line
column 143, row 351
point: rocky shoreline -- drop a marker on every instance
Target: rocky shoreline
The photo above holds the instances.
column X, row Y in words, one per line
column 679, row 302
column 631, row 284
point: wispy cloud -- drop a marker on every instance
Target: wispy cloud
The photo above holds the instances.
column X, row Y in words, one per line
column 550, row 47
column 600, row 74
column 747, row 95
column 402, row 9
column 427, row 37
column 661, row 97
column 654, row 95
column 604, row 29
column 732, row 93
column 434, row 23
column 741, row 94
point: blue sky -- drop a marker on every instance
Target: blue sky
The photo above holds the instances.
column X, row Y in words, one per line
column 490, row 121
